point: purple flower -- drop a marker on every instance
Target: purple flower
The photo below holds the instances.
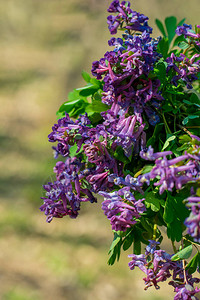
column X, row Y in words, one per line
column 187, row 31
column 186, row 292
column 121, row 69
column 185, row 69
column 64, row 195
column 158, row 267
column 148, row 154
column 169, row 173
column 193, row 221
column 138, row 261
column 121, row 208
column 184, row 29
column 126, row 18
column 65, row 133
column 150, row 249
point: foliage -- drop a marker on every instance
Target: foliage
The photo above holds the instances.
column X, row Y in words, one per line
column 132, row 135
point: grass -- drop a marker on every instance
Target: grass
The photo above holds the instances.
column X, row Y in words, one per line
column 44, row 47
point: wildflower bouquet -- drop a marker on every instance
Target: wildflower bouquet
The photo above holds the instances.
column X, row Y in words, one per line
column 132, row 135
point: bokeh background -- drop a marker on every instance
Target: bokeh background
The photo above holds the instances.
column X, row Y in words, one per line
column 44, row 46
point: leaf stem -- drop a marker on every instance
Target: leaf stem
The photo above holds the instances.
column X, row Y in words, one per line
column 193, row 243
column 184, row 265
column 166, row 125
column 173, row 246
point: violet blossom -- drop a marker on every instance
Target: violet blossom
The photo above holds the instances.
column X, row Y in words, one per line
column 170, row 173
column 158, row 267
column 132, row 19
column 64, row 195
column 121, row 208
column 186, row 69
column 193, row 221
column 187, row 31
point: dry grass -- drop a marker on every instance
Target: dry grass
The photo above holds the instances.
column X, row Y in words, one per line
column 44, row 46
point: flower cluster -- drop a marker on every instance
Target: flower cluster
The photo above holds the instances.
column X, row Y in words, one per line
column 138, row 146
column 186, row 70
column 121, row 208
column 158, row 267
column 125, row 70
column 171, row 173
column 77, row 178
column 187, row 31
column 193, row 221
column 126, row 18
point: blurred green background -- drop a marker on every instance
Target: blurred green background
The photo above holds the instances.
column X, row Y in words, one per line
column 44, row 46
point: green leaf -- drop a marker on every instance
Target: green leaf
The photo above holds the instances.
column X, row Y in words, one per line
column 161, row 71
column 147, row 169
column 160, row 27
column 114, row 250
column 190, row 103
column 137, row 247
column 112, row 257
column 170, row 23
column 89, row 91
column 184, row 139
column 154, row 201
column 74, row 95
column 163, row 47
column 87, row 86
column 183, row 254
column 86, row 76
column 77, row 110
column 190, row 117
column 71, row 104
column 116, row 240
column 174, row 230
column 96, row 108
column 97, row 97
column 167, row 142
column 168, row 215
column 137, row 235
column 128, row 241
column 185, row 121
column 157, row 132
column 72, row 150
column 120, row 155
column 181, row 212
column 178, row 40
column 192, row 265
column 183, row 45
column 96, row 82
column 95, row 118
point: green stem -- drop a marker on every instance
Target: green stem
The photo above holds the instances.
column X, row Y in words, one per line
column 193, row 243
column 184, row 265
column 166, row 125
column 175, row 123
column 174, row 248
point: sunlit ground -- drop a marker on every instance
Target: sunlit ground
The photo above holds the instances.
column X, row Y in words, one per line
column 44, row 46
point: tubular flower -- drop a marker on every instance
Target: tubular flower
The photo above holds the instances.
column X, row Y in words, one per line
column 158, row 267
column 187, row 31
column 193, row 221
column 170, row 173
column 133, row 20
column 121, row 208
column 186, row 70
column 64, row 195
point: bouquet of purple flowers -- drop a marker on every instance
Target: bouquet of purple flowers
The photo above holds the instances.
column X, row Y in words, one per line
column 132, row 135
